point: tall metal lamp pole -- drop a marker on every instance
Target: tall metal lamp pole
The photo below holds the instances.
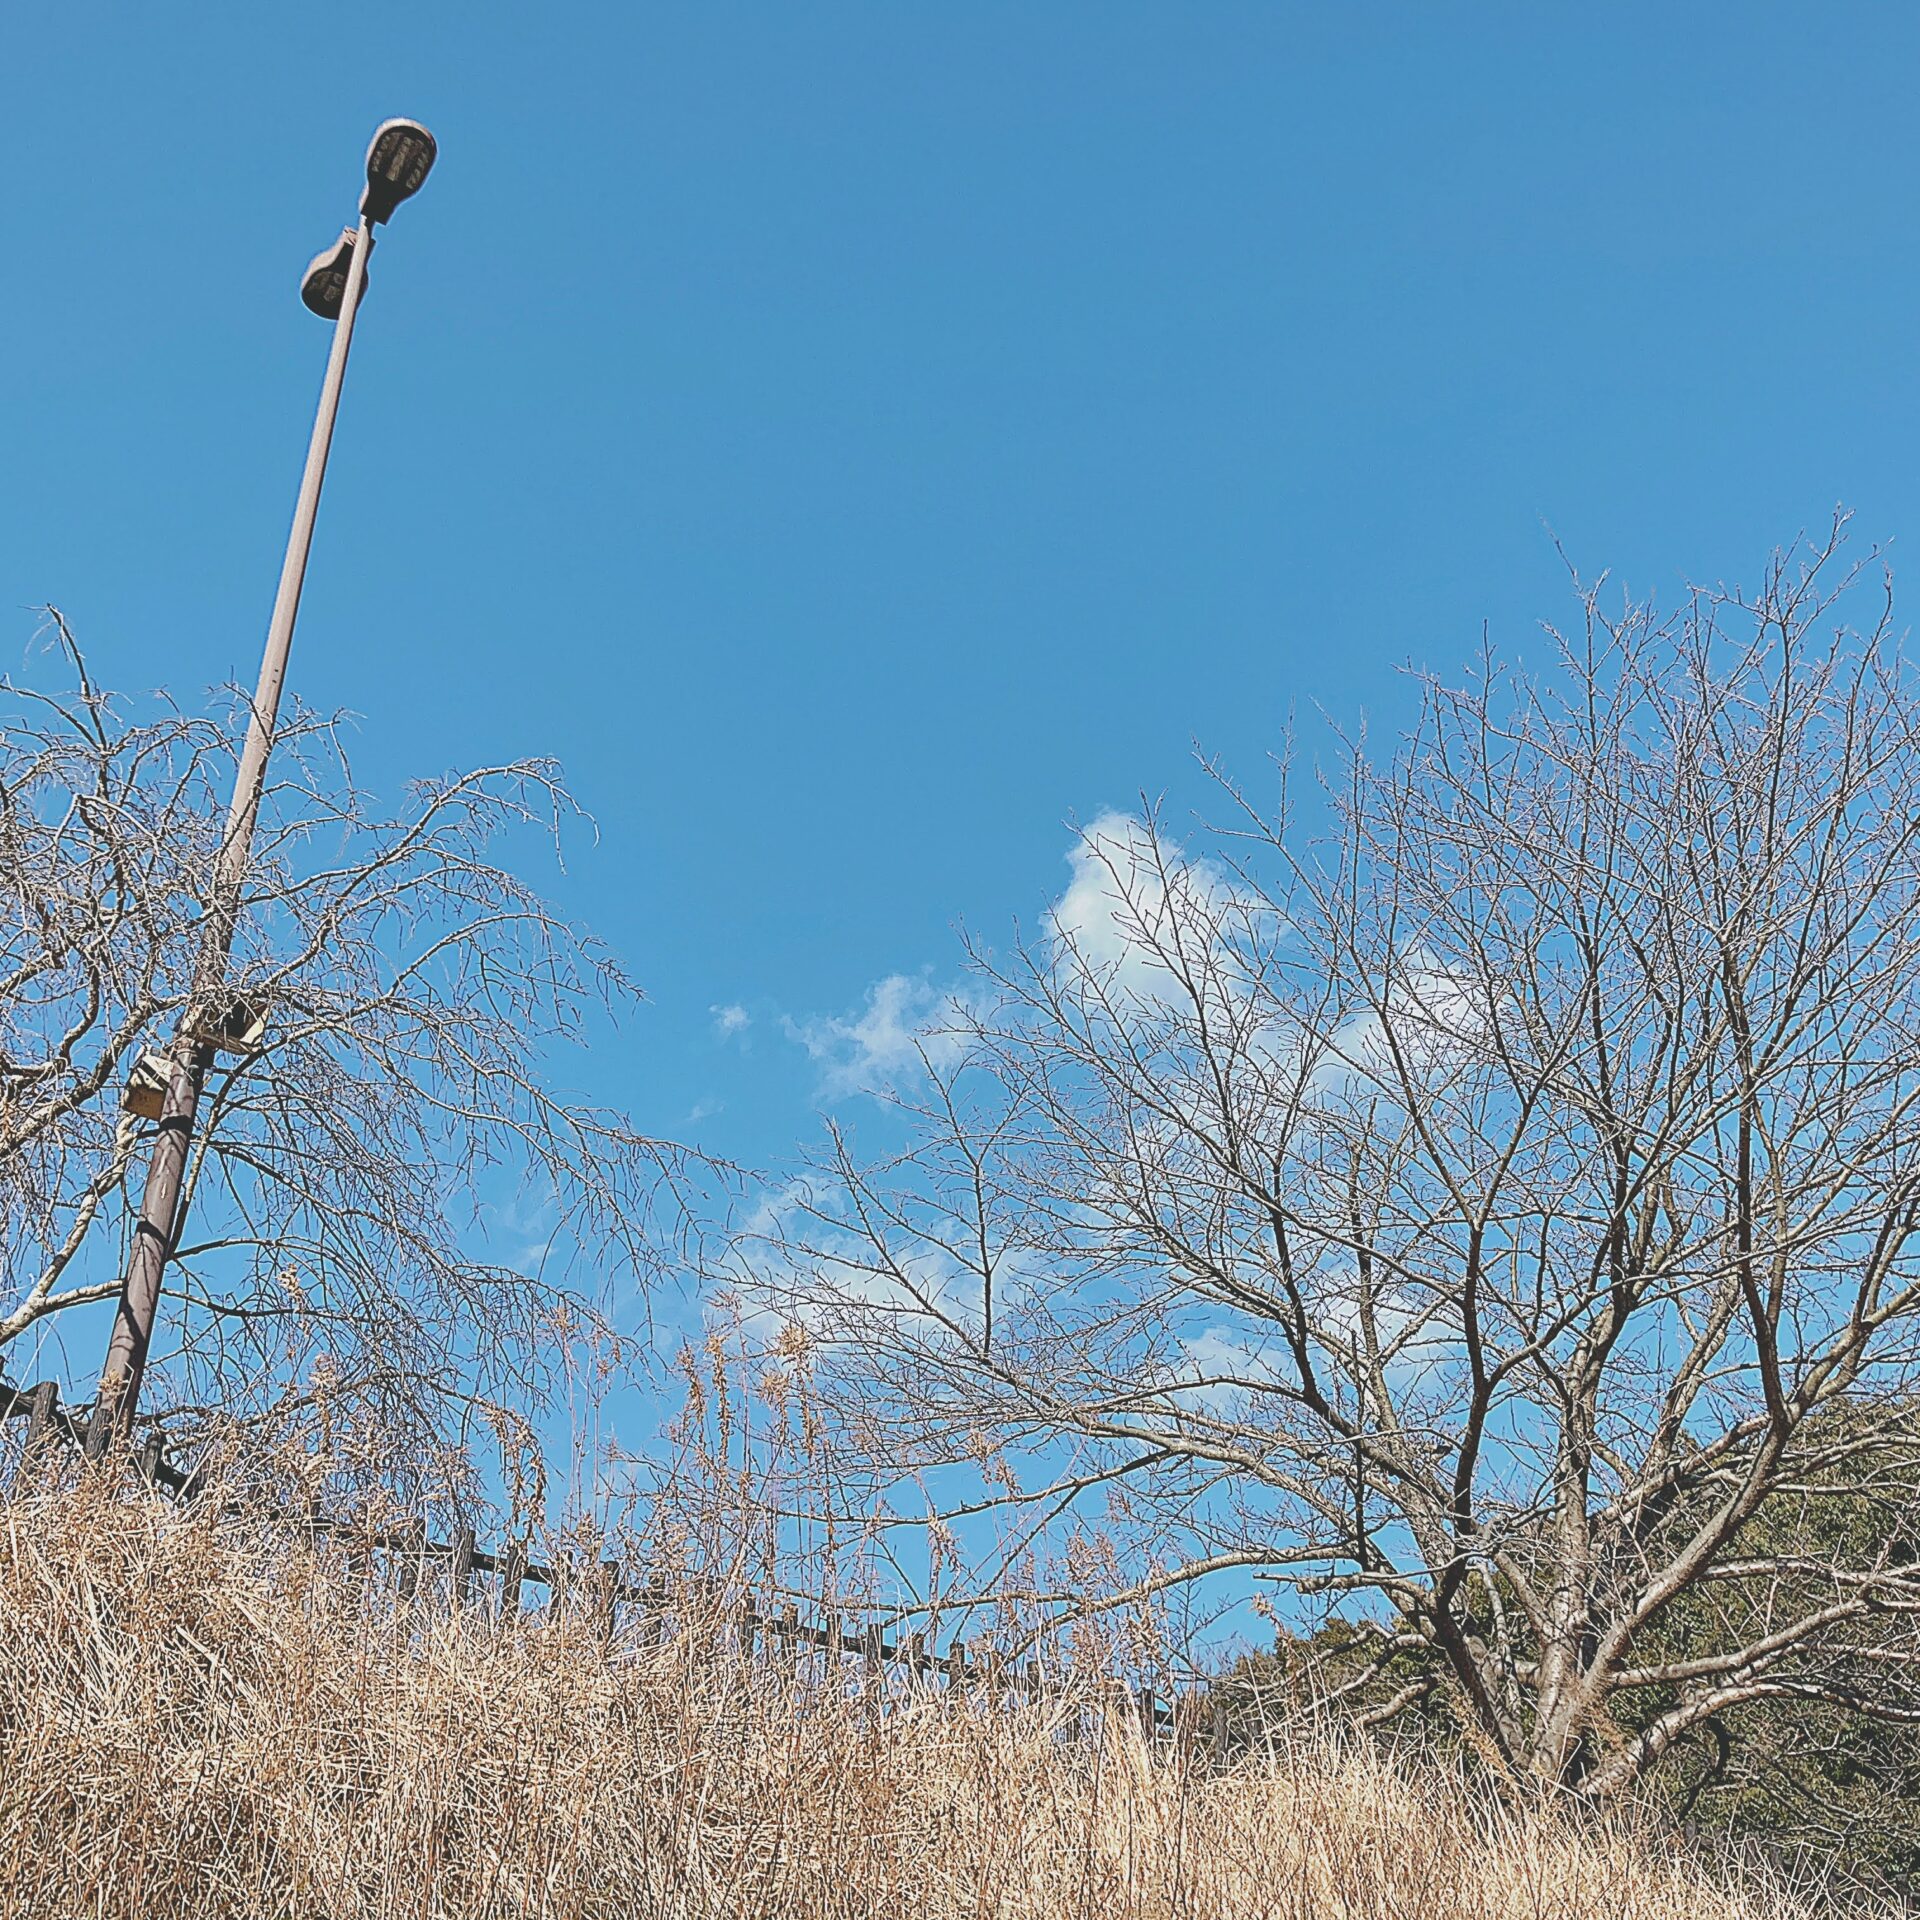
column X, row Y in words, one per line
column 397, row 164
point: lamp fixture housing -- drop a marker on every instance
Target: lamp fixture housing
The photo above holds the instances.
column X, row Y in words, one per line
column 398, row 162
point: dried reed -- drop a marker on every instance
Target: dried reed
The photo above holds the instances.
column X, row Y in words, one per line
column 198, row 1718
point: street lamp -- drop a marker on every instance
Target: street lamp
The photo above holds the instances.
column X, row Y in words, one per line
column 398, row 162
column 323, row 289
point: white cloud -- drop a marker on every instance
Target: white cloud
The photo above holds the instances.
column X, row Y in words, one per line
column 905, row 1021
column 793, row 1264
column 1123, row 911
column 729, row 1020
column 1135, row 904
column 1223, row 1373
column 1154, row 931
column 1214, row 1352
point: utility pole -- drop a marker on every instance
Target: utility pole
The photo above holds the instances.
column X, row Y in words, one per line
column 397, row 164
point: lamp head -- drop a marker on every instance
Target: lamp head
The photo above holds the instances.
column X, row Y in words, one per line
column 398, row 162
column 323, row 287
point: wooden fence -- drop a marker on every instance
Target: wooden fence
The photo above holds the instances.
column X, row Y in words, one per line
column 54, row 1431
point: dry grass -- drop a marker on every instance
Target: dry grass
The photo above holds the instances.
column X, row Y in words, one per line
column 195, row 1722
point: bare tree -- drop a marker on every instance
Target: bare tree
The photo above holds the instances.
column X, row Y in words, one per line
column 389, row 1204
column 1491, row 1212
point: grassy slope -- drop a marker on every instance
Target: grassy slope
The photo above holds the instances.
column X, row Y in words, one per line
column 194, row 1722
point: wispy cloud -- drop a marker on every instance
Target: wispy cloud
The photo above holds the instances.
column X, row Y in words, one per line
column 1223, row 1372
column 794, row 1263
column 905, row 1022
column 1136, row 904
column 730, row 1020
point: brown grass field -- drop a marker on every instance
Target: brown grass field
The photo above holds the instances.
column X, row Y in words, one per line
column 197, row 1720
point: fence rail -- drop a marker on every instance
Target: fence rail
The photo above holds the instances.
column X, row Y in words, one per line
column 601, row 1585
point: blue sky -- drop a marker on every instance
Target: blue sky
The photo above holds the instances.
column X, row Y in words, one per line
column 858, row 439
